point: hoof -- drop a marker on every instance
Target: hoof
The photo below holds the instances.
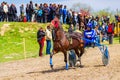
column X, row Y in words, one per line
column 70, row 65
column 51, row 67
column 77, row 64
column 66, row 68
column 81, row 66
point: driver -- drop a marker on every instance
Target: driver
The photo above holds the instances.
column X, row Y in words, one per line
column 89, row 34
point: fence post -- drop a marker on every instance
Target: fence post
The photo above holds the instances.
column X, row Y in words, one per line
column 24, row 48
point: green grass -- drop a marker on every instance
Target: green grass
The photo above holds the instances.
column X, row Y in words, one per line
column 116, row 40
column 12, row 45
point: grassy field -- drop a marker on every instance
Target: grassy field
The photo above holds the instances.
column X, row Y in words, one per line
column 116, row 40
column 12, row 40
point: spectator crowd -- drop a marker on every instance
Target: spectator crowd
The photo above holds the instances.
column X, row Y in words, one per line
column 32, row 12
column 44, row 13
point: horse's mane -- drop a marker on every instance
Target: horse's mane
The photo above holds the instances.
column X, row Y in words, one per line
column 60, row 27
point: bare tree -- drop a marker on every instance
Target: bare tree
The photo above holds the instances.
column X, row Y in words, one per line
column 80, row 6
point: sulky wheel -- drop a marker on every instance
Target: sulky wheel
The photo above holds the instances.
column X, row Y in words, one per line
column 105, row 57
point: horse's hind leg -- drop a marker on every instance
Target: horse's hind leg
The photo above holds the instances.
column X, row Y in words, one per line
column 78, row 63
column 81, row 53
column 65, row 60
column 81, row 48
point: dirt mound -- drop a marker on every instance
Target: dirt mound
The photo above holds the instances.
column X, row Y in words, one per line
column 39, row 69
column 4, row 29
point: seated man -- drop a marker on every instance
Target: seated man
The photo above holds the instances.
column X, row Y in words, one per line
column 89, row 34
column 70, row 31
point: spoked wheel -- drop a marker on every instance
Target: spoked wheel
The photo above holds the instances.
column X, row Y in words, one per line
column 105, row 57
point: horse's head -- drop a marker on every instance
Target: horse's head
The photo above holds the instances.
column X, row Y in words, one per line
column 55, row 22
column 56, row 28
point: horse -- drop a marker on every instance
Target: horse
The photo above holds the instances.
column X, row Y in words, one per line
column 62, row 44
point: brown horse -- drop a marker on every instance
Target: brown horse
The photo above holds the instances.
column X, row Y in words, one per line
column 62, row 44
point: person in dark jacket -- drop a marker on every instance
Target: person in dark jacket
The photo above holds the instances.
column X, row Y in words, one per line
column 13, row 12
column 1, row 12
column 64, row 14
column 31, row 10
column 40, row 40
column 70, row 31
column 110, row 33
column 22, row 11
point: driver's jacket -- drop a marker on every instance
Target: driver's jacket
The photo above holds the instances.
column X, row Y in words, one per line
column 90, row 35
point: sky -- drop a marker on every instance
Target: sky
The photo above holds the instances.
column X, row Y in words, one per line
column 95, row 4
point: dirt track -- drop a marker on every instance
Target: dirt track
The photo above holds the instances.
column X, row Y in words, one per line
column 39, row 69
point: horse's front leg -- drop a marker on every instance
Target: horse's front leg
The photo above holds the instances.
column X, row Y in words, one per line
column 81, row 53
column 65, row 60
column 51, row 62
column 78, row 63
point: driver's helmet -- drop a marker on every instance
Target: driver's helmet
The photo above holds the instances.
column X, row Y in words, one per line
column 89, row 25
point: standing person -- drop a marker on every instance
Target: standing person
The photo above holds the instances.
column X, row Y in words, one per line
column 110, row 33
column 31, row 10
column 69, row 17
column 45, row 13
column 36, row 8
column 97, row 34
column 64, row 14
column 104, row 28
column 61, row 13
column 41, row 39
column 40, row 15
column 74, row 19
column 28, row 12
column 113, row 24
column 79, row 20
column 14, row 12
column 22, row 11
column 48, row 39
column 11, row 13
column 1, row 12
column 5, row 8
